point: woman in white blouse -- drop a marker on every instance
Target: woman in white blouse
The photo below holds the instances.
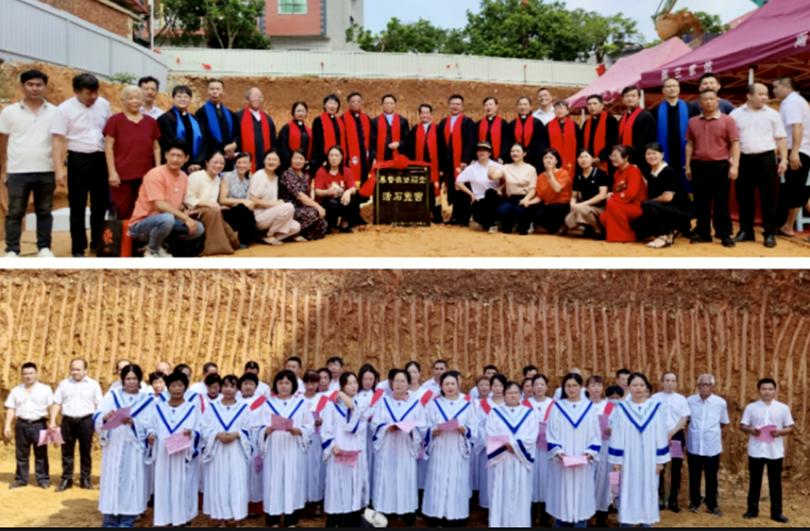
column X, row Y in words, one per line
column 233, row 196
column 202, row 200
column 518, row 179
column 274, row 217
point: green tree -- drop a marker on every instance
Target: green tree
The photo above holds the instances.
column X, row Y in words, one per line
column 711, row 23
column 218, row 23
column 417, row 37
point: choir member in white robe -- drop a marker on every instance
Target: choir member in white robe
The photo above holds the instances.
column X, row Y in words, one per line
column 603, row 409
column 572, row 431
column 248, row 385
column 541, row 404
column 284, row 452
column 213, row 386
column 639, row 449
column 177, row 475
column 395, row 491
column 497, row 384
column 447, row 486
column 423, row 395
column 481, row 389
column 227, row 455
column 368, row 396
column 510, row 465
column 325, row 380
column 344, row 430
column 157, row 384
column 315, row 468
column 123, row 494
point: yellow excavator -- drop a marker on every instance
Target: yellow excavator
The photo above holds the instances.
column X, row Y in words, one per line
column 670, row 24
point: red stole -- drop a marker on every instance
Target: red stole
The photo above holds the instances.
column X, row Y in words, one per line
column 433, row 150
column 485, row 406
column 454, row 133
column 248, row 139
column 599, row 139
column 396, row 130
column 626, row 127
column 330, row 136
column 495, row 133
column 564, row 141
column 524, row 134
column 426, row 397
column 295, row 138
column 353, row 158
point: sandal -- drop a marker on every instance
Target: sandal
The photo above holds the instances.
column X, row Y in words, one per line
column 272, row 241
column 658, row 243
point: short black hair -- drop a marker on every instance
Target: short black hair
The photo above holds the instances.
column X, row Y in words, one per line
column 382, row 100
column 28, row 365
column 182, row 89
column 181, row 366
column 427, row 106
column 285, row 375
column 313, row 377
column 449, row 374
column 208, row 157
column 655, row 146
column 248, row 377
column 148, row 79
column 212, row 379
column 625, row 152
column 765, row 381
column 366, row 368
column 707, row 91
column 332, row 97
column 631, row 88
column 552, row 151
column 614, row 390
column 456, row 97
column 492, row 367
column 596, row 97
column 707, row 75
column 498, row 378
column 510, row 384
column 415, row 364
column 540, row 376
column 623, row 371
column 393, row 374
column 786, row 80
column 528, row 368
column 296, row 104
column 527, row 98
column 324, row 370
column 231, row 379
column 440, row 361
column 335, row 359
column 637, row 375
column 209, row 364
column 594, row 378
column 215, row 80
column 251, row 365
column 176, row 376
column 344, row 379
column 493, row 98
column 182, row 146
column 28, row 75
column 670, row 78
column 132, row 367
column 85, row 81
column 570, row 376
column 155, row 376
column 296, row 359
column 562, row 103
column 352, row 95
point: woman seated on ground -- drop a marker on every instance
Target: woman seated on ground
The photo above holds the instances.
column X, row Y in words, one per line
column 549, row 202
column 481, row 198
column 335, row 190
column 294, row 189
column 519, row 178
column 624, row 202
column 202, row 201
column 668, row 211
column 233, row 193
column 274, row 217
column 590, row 191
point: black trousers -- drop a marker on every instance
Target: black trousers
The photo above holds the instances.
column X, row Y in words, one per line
column 242, row 221
column 87, row 175
column 758, row 172
column 755, row 469
column 77, row 429
column 511, row 214
column 549, row 217
column 483, row 211
column 661, row 218
column 794, row 192
column 351, row 520
column 698, row 465
column 26, row 435
column 348, row 213
column 711, row 185
column 675, row 476
column 20, row 188
column 289, row 519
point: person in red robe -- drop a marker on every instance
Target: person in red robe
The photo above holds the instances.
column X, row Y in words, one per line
column 257, row 132
column 422, row 145
column 637, row 127
column 358, row 137
column 495, row 130
column 457, row 140
column 599, row 133
column 328, row 131
column 389, row 131
column 563, row 135
column 295, row 135
column 530, row 132
column 624, row 202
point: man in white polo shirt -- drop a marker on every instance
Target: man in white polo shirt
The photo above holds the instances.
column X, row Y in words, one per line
column 677, row 416
column 29, row 403
column 708, row 413
column 26, row 161
column 761, row 134
column 78, row 135
column 766, row 449
column 77, row 397
column 795, row 189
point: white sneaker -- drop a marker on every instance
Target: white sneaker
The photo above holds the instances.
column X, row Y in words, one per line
column 160, row 253
column 163, row 253
column 493, row 230
column 45, row 253
column 12, row 254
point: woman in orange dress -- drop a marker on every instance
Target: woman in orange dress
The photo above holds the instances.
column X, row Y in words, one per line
column 624, row 202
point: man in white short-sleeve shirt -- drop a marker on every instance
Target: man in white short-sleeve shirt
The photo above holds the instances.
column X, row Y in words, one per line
column 677, row 415
column 766, row 415
column 545, row 113
column 761, row 133
column 795, row 189
column 77, row 136
column 26, row 161
column 481, row 192
column 77, row 398
column 708, row 413
column 149, row 87
column 29, row 404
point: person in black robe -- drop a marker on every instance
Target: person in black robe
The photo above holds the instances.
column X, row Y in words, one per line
column 534, row 143
column 389, row 108
column 222, row 135
column 331, row 107
column 673, row 139
column 299, row 113
column 256, row 147
column 452, row 162
column 643, row 129
column 191, row 131
column 427, row 152
column 588, row 134
column 359, row 162
column 501, row 143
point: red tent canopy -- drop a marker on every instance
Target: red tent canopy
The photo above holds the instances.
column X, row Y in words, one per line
column 627, row 71
column 776, row 33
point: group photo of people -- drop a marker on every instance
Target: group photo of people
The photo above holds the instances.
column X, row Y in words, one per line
column 429, row 445
column 213, row 181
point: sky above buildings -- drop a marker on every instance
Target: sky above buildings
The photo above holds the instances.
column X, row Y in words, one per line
column 452, row 13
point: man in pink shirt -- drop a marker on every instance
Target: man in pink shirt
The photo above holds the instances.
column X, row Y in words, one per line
column 158, row 213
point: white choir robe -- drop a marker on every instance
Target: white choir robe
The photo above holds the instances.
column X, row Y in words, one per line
column 483, row 479
column 395, row 488
column 205, row 402
column 542, row 410
column 421, row 462
column 639, row 441
column 573, row 430
column 315, row 467
column 226, row 466
column 364, row 398
column 604, row 496
column 447, row 486
column 510, row 503
column 149, row 481
column 347, row 487
column 284, row 455
column 123, row 489
column 176, row 476
column 255, row 484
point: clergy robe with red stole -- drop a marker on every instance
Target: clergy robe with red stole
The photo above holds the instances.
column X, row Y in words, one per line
column 637, row 128
column 497, row 132
column 598, row 135
column 293, row 136
column 256, row 137
column 629, row 191
column 530, row 132
column 422, row 145
column 327, row 131
column 358, row 143
column 457, row 140
column 563, row 136
column 383, row 133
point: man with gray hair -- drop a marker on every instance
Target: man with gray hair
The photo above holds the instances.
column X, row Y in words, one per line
column 256, row 131
column 708, row 413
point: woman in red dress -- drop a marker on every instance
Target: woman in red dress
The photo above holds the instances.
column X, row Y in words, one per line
column 624, row 202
